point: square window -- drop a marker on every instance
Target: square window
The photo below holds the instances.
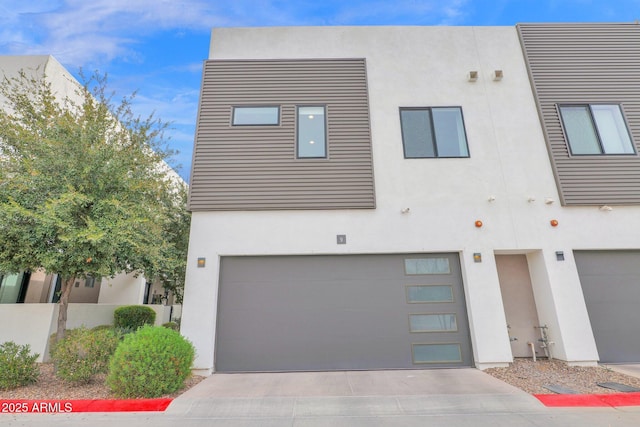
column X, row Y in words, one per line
column 312, row 141
column 433, row 132
column 252, row 116
column 596, row 129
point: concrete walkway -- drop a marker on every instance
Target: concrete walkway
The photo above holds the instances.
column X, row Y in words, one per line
column 628, row 369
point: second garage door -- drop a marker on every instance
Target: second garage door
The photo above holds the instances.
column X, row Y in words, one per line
column 305, row 313
column 611, row 286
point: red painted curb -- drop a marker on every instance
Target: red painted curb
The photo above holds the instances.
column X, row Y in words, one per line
column 16, row 406
column 589, row 400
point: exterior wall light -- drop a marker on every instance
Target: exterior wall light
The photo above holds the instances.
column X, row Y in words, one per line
column 201, row 262
column 478, row 223
column 477, row 257
column 472, row 76
column 559, row 256
column 554, row 222
column 497, row 75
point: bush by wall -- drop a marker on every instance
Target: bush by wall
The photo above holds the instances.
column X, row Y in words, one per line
column 151, row 362
column 18, row 366
column 133, row 316
column 84, row 353
column 171, row 325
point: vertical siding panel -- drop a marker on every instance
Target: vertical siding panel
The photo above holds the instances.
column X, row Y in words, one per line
column 255, row 167
column 587, row 63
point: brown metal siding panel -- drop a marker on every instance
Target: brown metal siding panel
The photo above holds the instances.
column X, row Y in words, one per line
column 587, row 63
column 255, row 167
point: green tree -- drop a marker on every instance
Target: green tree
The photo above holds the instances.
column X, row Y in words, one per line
column 84, row 187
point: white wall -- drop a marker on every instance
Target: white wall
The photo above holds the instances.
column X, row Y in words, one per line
column 122, row 289
column 28, row 324
column 33, row 324
column 427, row 66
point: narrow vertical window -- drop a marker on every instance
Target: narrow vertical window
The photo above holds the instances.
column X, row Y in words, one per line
column 312, row 141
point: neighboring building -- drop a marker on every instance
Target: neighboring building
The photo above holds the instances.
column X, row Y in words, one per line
column 415, row 197
column 36, row 287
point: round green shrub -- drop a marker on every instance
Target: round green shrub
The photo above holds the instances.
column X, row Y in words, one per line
column 18, row 366
column 171, row 325
column 132, row 317
column 84, row 353
column 151, row 362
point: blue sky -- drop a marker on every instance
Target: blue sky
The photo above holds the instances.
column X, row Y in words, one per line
column 156, row 47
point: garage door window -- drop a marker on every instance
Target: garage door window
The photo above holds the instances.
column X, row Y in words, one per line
column 433, row 322
column 415, row 266
column 436, row 353
column 417, row 294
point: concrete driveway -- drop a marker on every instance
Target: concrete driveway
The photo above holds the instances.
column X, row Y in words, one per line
column 409, row 398
column 351, row 394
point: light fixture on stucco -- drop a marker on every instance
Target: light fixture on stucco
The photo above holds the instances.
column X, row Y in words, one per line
column 478, row 223
column 606, row 208
column 472, row 76
column 497, row 75
column 554, row 222
column 548, row 201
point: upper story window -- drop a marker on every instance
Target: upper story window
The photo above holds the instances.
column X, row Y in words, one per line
column 251, row 116
column 596, row 129
column 312, row 130
column 433, row 132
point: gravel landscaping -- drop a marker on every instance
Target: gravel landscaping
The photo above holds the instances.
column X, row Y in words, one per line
column 523, row 373
column 531, row 376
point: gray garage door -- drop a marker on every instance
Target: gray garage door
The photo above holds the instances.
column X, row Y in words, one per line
column 305, row 313
column 611, row 285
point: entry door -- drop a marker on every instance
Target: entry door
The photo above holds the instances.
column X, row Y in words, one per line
column 519, row 304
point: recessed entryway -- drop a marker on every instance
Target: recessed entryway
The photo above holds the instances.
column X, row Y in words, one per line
column 519, row 304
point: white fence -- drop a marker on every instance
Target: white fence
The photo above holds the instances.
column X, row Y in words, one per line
column 33, row 324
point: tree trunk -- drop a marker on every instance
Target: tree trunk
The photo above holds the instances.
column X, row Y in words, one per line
column 63, row 305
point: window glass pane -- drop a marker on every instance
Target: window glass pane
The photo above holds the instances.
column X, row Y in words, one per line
column 311, row 132
column 612, row 129
column 429, row 293
column 417, row 136
column 579, row 129
column 433, row 323
column 10, row 288
column 256, row 115
column 449, row 130
column 414, row 266
column 436, row 353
